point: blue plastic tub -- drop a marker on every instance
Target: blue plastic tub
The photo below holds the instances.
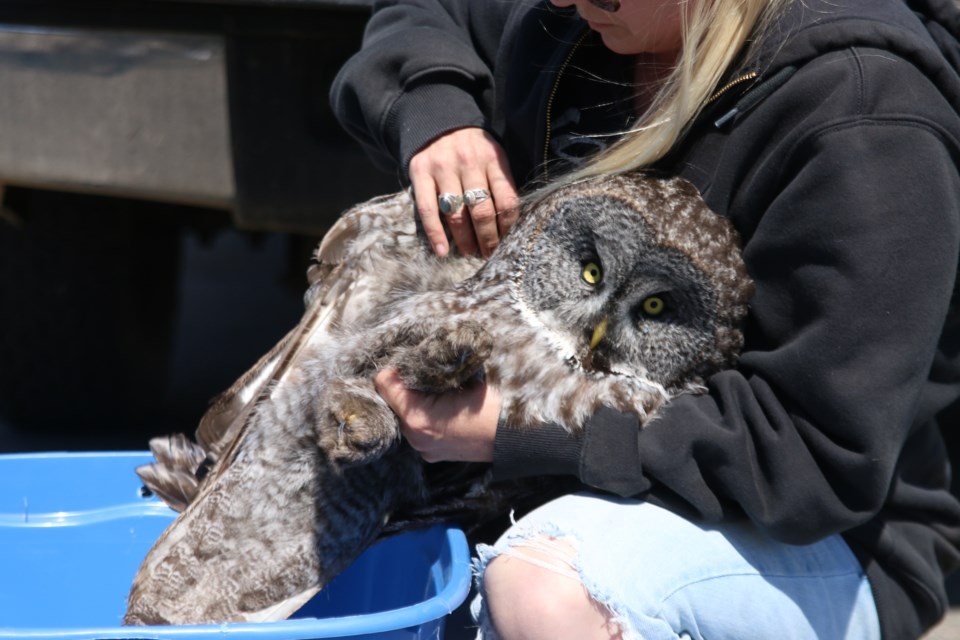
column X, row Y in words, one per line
column 74, row 529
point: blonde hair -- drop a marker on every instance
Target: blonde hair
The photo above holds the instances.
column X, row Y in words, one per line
column 714, row 33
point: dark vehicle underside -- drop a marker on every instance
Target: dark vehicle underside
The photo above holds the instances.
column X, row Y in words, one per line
column 121, row 125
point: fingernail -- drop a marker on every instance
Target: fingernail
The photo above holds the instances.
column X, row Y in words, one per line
column 440, row 250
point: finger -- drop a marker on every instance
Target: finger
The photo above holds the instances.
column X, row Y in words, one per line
column 406, row 403
column 447, row 180
column 425, row 195
column 419, row 433
column 483, row 216
column 461, row 228
column 505, row 198
column 389, row 385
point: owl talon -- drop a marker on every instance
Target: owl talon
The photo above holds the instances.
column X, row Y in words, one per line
column 360, row 427
column 447, row 360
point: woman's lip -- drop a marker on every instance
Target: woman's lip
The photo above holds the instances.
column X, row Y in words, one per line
column 598, row 26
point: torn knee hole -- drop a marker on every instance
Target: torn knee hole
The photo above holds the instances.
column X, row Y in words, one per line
column 530, row 586
column 556, row 554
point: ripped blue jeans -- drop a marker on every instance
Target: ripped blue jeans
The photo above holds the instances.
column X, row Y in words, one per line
column 661, row 576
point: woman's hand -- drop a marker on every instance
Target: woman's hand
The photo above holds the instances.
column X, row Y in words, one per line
column 459, row 161
column 456, row 426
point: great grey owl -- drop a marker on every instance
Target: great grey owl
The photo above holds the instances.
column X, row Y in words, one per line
column 619, row 291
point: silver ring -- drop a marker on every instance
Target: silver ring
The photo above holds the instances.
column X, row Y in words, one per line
column 475, row 196
column 449, row 203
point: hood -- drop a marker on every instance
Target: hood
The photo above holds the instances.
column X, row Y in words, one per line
column 925, row 32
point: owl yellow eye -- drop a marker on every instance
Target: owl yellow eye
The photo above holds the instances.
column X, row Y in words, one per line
column 654, row 306
column 592, row 273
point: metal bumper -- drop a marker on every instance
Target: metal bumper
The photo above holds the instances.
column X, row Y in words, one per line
column 219, row 104
column 125, row 113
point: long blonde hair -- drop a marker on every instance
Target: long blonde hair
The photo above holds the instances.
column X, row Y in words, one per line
column 714, row 33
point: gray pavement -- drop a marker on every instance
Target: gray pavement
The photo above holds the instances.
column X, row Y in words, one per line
column 948, row 629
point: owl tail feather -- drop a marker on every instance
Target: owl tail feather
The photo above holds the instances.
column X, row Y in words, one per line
column 281, row 610
column 174, row 476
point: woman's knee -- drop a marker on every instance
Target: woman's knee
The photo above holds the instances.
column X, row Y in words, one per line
column 533, row 591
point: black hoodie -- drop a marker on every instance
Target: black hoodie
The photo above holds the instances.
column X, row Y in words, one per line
column 834, row 152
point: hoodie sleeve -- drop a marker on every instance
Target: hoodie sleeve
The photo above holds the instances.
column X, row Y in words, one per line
column 854, row 260
column 425, row 68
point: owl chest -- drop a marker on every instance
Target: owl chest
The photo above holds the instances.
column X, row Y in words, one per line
column 541, row 380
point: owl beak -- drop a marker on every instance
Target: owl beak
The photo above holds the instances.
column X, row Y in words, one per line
column 598, row 332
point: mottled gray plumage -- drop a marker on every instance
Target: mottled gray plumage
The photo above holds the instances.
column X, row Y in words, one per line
column 618, row 291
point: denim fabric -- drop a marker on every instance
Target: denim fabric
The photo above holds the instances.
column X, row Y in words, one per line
column 662, row 576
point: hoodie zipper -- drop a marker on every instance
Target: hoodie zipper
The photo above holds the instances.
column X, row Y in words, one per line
column 753, row 96
column 550, row 99
column 736, row 82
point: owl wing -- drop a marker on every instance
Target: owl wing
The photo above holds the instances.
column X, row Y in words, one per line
column 344, row 282
column 350, row 277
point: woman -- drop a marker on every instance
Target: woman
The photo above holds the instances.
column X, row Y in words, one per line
column 805, row 494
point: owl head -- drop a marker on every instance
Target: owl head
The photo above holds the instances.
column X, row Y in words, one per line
column 633, row 275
